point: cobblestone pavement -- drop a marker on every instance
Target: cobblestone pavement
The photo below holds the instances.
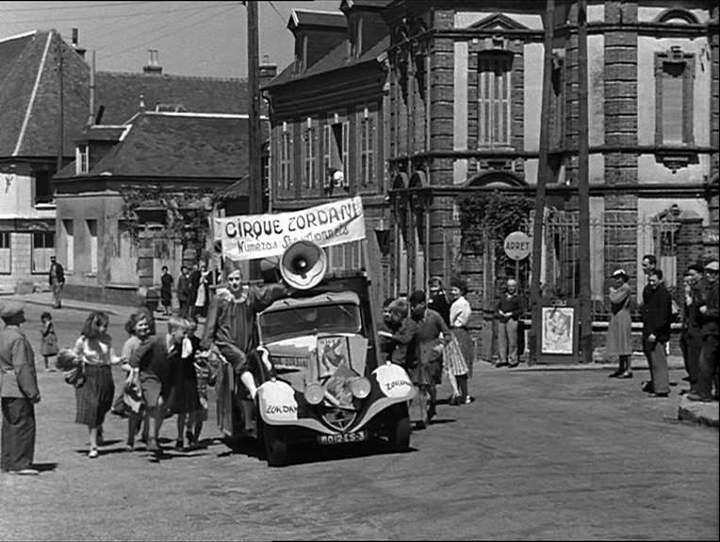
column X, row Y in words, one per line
column 539, row 455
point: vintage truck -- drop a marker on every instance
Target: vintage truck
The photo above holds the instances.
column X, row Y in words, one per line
column 316, row 366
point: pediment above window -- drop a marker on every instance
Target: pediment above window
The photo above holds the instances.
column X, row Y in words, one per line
column 499, row 22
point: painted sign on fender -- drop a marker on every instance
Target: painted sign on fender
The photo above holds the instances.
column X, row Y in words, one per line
column 248, row 237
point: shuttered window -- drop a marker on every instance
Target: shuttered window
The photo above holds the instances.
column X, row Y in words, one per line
column 674, row 97
column 494, row 102
column 672, row 107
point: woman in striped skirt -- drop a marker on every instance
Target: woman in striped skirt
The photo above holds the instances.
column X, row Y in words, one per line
column 94, row 398
column 459, row 316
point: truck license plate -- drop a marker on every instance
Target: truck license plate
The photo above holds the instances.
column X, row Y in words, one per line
column 358, row 436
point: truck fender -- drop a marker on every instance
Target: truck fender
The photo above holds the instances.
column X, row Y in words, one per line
column 276, row 402
column 393, row 381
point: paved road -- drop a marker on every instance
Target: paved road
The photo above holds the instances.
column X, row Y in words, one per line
column 539, row 455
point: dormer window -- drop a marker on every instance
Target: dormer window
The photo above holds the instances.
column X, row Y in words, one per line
column 302, row 55
column 82, row 160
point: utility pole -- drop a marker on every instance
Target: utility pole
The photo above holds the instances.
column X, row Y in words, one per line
column 61, row 124
column 584, row 189
column 255, row 184
column 543, row 175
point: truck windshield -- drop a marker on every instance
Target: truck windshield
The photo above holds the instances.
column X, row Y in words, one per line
column 335, row 318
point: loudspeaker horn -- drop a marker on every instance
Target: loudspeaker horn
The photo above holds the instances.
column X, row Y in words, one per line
column 303, row 265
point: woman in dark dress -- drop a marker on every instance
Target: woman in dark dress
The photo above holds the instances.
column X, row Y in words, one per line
column 95, row 397
column 186, row 401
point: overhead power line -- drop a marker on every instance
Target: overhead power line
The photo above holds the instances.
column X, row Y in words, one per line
column 84, row 5
column 157, row 36
column 106, row 16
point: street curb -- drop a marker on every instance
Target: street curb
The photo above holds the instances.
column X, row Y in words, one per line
column 66, row 305
column 574, row 367
column 699, row 413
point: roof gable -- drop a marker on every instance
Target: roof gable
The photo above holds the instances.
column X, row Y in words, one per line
column 498, row 21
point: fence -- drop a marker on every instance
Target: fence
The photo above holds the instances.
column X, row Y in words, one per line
column 617, row 240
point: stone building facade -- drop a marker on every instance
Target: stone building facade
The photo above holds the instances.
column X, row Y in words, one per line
column 465, row 87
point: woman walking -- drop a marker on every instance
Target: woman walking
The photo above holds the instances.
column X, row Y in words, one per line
column 138, row 328
column 619, row 338
column 94, row 398
column 459, row 317
column 185, row 400
column 155, row 361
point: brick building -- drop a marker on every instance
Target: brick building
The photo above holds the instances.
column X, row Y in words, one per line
column 327, row 115
column 464, row 117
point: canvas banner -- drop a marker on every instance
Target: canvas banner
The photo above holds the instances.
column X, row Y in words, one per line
column 249, row 237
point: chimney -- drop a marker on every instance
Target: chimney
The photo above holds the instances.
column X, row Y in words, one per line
column 152, row 67
column 266, row 71
column 78, row 50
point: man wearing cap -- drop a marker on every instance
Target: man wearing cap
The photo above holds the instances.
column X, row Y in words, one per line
column 691, row 332
column 231, row 319
column 619, row 337
column 710, row 319
column 56, row 277
column 18, row 392
column 656, row 314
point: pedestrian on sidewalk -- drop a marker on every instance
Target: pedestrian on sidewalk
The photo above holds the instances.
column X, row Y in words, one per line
column 202, row 297
column 509, row 309
column 56, row 277
column 166, row 284
column 460, row 312
column 691, row 338
column 49, row 342
column 619, row 337
column 95, row 397
column 18, row 392
column 438, row 299
column 710, row 318
column 656, row 317
column 183, row 291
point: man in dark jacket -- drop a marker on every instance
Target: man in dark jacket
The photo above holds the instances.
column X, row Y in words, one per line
column 56, row 278
column 656, row 314
column 183, row 291
column 710, row 318
column 437, row 299
column 691, row 333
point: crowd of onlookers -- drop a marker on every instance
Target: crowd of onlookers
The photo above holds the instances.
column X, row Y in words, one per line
column 699, row 328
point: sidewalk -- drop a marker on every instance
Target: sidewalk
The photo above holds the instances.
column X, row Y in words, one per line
column 46, row 299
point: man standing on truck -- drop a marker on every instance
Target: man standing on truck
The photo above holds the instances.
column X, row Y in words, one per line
column 231, row 319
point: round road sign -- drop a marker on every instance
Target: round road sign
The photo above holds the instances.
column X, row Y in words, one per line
column 517, row 245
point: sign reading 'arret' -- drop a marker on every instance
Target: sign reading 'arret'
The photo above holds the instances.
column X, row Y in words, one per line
column 517, row 245
column 248, row 237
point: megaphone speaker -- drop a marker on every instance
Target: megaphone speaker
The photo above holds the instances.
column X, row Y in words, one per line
column 303, row 265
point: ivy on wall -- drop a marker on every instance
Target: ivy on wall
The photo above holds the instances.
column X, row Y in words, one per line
column 182, row 216
column 495, row 215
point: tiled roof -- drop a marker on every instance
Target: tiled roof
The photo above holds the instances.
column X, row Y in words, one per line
column 121, row 93
column 336, row 59
column 30, row 104
column 29, row 95
column 178, row 145
column 309, row 17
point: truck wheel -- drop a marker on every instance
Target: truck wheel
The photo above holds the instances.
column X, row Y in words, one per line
column 276, row 449
column 399, row 434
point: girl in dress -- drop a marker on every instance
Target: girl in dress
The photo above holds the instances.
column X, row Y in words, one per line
column 49, row 346
column 94, row 398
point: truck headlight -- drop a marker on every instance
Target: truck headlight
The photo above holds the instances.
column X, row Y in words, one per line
column 360, row 387
column 314, row 393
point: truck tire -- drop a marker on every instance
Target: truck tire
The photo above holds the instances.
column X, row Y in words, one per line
column 276, row 448
column 399, row 433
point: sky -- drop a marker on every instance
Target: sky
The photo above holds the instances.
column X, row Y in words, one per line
column 206, row 39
